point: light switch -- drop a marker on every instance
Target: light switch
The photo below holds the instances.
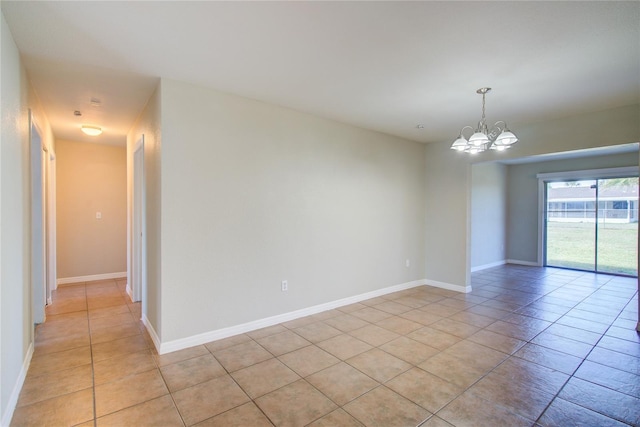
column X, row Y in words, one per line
column 98, row 215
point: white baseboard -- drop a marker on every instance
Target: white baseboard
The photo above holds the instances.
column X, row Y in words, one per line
column 490, row 265
column 448, row 286
column 520, row 262
column 79, row 279
column 15, row 394
column 152, row 332
column 179, row 344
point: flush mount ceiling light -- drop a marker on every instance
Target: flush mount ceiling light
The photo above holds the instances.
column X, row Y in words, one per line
column 499, row 137
column 91, row 130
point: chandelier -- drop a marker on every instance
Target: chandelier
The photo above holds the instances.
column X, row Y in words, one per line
column 499, row 137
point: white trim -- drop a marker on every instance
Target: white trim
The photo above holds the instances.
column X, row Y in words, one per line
column 182, row 343
column 15, row 394
column 448, row 286
column 152, row 332
column 520, row 262
column 540, row 255
column 105, row 276
column 490, row 265
column 590, row 174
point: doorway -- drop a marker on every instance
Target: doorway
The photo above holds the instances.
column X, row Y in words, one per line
column 43, row 253
column 138, row 274
column 592, row 224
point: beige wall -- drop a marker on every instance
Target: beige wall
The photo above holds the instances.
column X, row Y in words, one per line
column 488, row 214
column 91, row 178
column 16, row 316
column 253, row 194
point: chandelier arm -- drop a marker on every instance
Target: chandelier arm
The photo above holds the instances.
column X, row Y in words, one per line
column 465, row 127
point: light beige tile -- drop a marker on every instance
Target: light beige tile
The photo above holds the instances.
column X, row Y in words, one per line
column 227, row 342
column 115, row 333
column 242, row 355
column 119, row 347
column 309, row 406
column 399, row 325
column 422, row 317
column 54, row 384
column 337, row 418
column 476, row 355
column 308, row 360
column 247, row 415
column 374, row 335
column 452, row 369
column 346, row 322
column 344, row 346
column 436, row 421
column 496, row 341
column 471, row 410
column 283, row 342
column 342, row 383
column 316, row 332
column 434, row 338
column 425, row 389
column 515, row 396
column 265, row 332
column 370, row 314
column 409, row 350
column 103, row 322
column 156, row 412
column 129, row 391
column 379, row 365
column 180, row 355
column 383, row 407
column 190, row 372
column 66, row 410
column 351, row 307
column 459, row 329
column 108, row 370
column 208, row 399
column 53, row 362
column 392, row 307
column 264, row 377
column 108, row 311
column 61, row 343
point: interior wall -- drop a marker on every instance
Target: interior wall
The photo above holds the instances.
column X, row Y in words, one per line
column 16, row 318
column 91, row 179
column 253, row 194
column 149, row 125
column 447, row 218
column 448, row 236
column 522, row 221
column 488, row 214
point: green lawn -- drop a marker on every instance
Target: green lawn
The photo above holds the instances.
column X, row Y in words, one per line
column 571, row 245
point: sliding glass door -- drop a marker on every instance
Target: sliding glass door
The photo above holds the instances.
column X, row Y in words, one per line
column 592, row 225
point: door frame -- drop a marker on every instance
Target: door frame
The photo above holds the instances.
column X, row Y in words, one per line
column 593, row 174
column 41, row 240
column 137, row 282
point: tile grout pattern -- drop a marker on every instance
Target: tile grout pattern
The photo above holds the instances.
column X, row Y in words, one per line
column 529, row 346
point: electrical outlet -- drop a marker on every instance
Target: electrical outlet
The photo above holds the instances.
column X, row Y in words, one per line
column 407, row 263
column 98, row 215
column 285, row 286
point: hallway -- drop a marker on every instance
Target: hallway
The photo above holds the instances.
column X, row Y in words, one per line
column 528, row 345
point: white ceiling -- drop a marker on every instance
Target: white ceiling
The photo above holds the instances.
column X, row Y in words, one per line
column 386, row 66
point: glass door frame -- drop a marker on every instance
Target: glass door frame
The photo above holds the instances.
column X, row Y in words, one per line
column 591, row 174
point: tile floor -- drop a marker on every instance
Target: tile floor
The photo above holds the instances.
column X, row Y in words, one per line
column 529, row 346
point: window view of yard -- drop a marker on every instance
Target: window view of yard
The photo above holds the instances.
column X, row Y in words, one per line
column 571, row 245
column 585, row 213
